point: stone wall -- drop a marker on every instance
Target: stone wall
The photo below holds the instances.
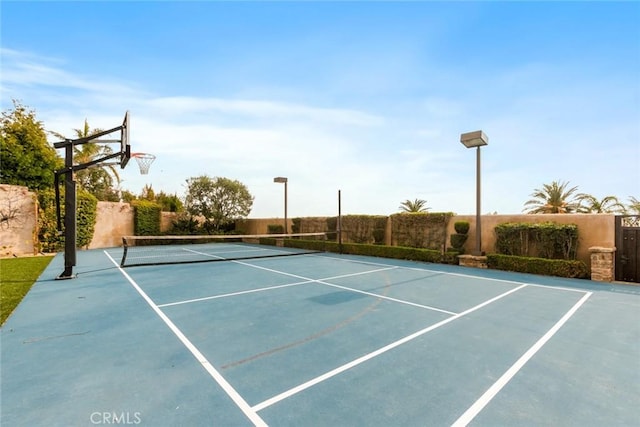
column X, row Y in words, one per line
column 18, row 221
column 602, row 264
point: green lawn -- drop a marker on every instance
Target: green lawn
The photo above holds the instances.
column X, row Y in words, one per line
column 17, row 275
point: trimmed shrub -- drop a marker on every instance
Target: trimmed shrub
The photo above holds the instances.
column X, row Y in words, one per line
column 363, row 228
column 543, row 240
column 458, row 241
column 49, row 237
column 542, row 266
column 382, row 251
column 146, row 218
column 275, row 229
column 461, row 227
column 420, row 230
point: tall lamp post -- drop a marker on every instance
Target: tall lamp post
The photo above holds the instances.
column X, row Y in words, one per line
column 282, row 179
column 470, row 140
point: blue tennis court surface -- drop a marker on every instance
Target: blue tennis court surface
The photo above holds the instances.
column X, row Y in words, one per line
column 319, row 340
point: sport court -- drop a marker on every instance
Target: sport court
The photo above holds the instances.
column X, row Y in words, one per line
column 319, row 340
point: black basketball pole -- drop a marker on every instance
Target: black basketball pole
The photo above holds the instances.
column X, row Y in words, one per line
column 340, row 220
column 70, row 203
column 69, row 216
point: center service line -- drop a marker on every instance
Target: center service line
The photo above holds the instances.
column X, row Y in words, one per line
column 222, row 382
column 376, row 353
column 484, row 400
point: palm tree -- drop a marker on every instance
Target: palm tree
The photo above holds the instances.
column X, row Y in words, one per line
column 98, row 179
column 633, row 208
column 590, row 204
column 418, row 205
column 552, row 198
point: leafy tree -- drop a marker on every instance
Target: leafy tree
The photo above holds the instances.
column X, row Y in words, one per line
column 26, row 156
column 219, row 200
column 169, row 202
column 590, row 204
column 128, row 196
column 99, row 179
column 148, row 193
column 552, row 198
column 417, row 205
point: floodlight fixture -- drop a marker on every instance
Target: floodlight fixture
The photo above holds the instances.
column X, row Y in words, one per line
column 283, row 180
column 476, row 139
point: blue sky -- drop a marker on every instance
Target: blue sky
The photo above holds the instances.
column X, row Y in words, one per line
column 365, row 97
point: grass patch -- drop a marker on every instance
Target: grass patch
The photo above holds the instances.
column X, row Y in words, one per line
column 17, row 275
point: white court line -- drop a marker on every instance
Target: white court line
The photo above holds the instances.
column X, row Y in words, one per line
column 267, row 288
column 469, row 276
column 322, row 282
column 428, row 307
column 475, row 409
column 233, row 294
column 231, row 392
column 358, row 361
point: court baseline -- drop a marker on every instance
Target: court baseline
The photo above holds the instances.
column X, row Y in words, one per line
column 484, row 400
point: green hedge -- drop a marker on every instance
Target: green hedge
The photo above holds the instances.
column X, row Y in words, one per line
column 49, row 237
column 541, row 240
column 542, row 266
column 382, row 251
column 363, row 228
column 275, row 229
column 146, row 218
column 420, row 229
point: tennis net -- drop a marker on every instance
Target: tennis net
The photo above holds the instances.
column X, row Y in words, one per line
column 159, row 250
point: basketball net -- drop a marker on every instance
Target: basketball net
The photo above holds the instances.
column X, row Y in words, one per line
column 144, row 161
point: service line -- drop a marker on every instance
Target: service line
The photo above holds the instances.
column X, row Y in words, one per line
column 360, row 360
column 224, row 384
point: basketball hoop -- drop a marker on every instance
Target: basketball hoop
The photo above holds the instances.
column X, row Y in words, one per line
column 144, row 161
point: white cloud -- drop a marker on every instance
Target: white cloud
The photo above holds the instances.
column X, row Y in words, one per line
column 538, row 132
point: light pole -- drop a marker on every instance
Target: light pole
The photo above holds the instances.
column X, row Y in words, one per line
column 476, row 139
column 282, row 179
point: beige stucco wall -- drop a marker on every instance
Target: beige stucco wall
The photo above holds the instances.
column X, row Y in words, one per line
column 18, row 221
column 260, row 225
column 166, row 220
column 593, row 229
column 113, row 220
column 18, row 231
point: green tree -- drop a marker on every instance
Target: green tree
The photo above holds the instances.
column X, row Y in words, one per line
column 219, row 200
column 169, row 202
column 128, row 196
column 148, row 193
column 590, row 204
column 417, row 205
column 552, row 198
column 25, row 155
column 98, row 179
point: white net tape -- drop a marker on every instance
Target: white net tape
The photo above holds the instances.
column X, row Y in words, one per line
column 144, row 161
